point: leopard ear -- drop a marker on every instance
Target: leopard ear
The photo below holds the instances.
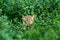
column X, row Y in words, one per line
column 33, row 16
column 23, row 17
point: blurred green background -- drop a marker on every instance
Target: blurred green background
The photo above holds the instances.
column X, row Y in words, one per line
column 46, row 25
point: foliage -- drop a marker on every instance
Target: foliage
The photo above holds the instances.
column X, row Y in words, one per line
column 46, row 25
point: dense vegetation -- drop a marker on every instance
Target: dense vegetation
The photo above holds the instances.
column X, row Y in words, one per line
column 46, row 25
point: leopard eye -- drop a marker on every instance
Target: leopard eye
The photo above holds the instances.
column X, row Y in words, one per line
column 31, row 20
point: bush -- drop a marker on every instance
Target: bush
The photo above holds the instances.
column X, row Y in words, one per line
column 46, row 25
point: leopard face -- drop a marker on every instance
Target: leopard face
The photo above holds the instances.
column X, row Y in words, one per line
column 28, row 19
